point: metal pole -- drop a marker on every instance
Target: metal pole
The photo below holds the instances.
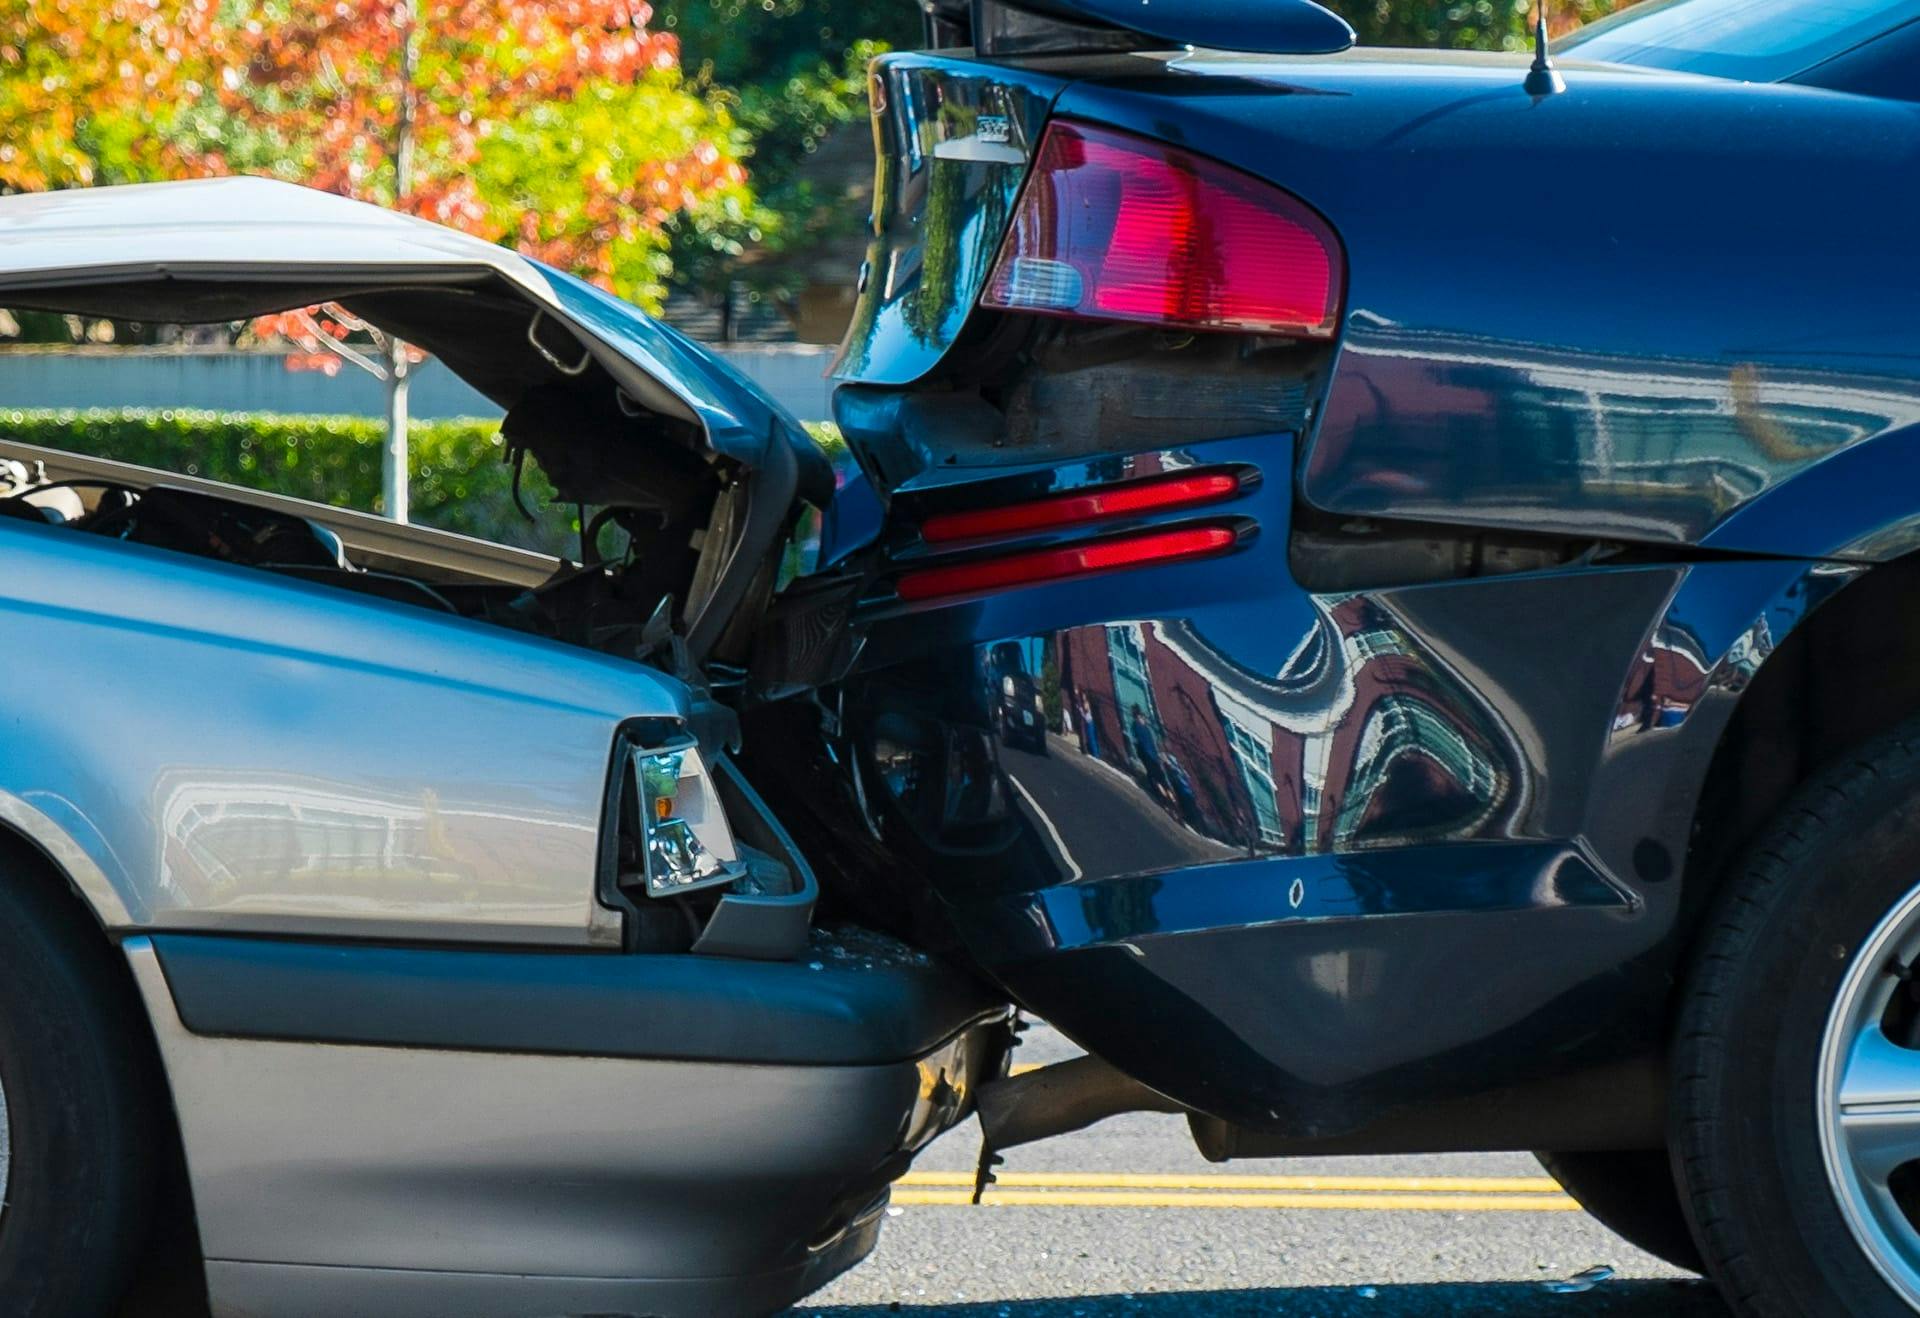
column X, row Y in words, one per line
column 393, row 466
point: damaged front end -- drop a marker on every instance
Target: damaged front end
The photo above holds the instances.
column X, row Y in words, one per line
column 446, row 843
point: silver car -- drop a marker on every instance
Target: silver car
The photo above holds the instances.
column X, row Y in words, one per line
column 382, row 920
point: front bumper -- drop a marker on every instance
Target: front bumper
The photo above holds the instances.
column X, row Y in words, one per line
column 337, row 1175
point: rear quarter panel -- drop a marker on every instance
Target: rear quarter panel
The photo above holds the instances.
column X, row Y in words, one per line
column 1624, row 311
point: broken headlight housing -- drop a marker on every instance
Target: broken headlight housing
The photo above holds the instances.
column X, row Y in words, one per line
column 689, row 844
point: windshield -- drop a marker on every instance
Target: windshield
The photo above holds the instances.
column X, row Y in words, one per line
column 1751, row 40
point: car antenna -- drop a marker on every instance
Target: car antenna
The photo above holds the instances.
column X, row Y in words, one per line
column 1543, row 79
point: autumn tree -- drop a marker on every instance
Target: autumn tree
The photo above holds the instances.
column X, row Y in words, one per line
column 89, row 89
column 796, row 72
column 559, row 127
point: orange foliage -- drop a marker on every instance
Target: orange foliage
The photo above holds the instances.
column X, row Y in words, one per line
column 318, row 90
column 65, row 62
column 330, row 81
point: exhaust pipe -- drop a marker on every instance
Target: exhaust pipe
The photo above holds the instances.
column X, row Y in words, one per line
column 1059, row 1099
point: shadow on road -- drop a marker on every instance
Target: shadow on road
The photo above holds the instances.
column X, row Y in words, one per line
column 1614, row 1299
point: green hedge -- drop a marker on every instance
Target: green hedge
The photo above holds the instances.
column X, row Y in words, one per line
column 460, row 477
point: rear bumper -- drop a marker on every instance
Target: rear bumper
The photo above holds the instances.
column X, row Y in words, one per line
column 428, row 1176
column 1306, row 861
column 1427, row 998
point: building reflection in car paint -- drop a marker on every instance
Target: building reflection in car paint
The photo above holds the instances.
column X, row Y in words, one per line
column 1329, row 763
column 1360, row 739
column 1667, row 680
column 322, row 846
column 1675, row 672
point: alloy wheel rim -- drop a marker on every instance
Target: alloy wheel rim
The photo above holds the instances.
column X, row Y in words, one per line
column 1869, row 1098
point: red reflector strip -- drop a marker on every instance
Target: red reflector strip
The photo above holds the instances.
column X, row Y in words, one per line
column 1073, row 561
column 1155, row 494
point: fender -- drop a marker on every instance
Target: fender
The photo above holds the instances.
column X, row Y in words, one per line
column 1860, row 504
column 73, row 861
column 448, row 782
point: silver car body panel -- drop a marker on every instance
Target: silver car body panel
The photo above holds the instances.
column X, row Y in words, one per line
column 202, row 746
column 335, row 1179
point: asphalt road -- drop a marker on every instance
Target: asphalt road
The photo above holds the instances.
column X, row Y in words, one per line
column 1127, row 1220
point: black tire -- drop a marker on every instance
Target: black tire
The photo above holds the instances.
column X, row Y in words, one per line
column 1632, row 1195
column 81, row 1122
column 1745, row 1132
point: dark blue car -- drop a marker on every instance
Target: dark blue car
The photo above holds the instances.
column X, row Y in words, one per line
column 1490, row 485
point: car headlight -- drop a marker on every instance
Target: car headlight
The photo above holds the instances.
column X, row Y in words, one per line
column 689, row 843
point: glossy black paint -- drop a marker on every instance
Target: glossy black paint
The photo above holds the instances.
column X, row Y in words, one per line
column 1888, row 68
column 942, row 196
column 1305, row 860
column 1769, row 41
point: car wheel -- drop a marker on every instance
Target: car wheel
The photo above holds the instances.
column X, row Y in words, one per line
column 77, row 1126
column 1633, row 1195
column 1796, row 1062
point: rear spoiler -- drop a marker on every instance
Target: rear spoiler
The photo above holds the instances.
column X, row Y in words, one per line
column 1060, row 27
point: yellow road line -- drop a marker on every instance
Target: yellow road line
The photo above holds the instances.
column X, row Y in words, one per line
column 1534, row 1185
column 1392, row 1203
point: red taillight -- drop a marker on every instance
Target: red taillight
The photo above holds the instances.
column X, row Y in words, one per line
column 1117, row 227
column 1057, row 564
column 1155, row 494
